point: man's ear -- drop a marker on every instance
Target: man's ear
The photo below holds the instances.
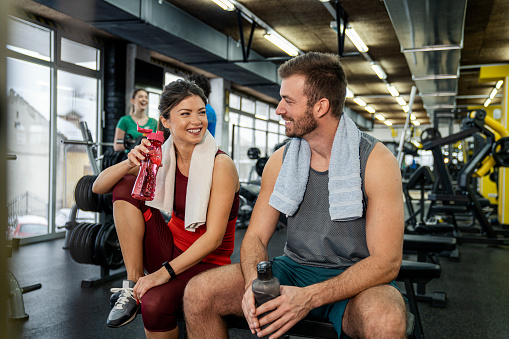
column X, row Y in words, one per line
column 321, row 107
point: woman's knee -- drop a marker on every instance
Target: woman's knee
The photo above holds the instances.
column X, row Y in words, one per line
column 157, row 315
column 123, row 188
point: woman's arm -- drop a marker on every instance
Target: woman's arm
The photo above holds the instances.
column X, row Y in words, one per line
column 119, row 134
column 111, row 175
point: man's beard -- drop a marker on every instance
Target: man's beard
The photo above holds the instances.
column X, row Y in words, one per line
column 302, row 126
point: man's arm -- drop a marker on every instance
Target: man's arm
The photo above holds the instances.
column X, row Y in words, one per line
column 262, row 225
column 384, row 236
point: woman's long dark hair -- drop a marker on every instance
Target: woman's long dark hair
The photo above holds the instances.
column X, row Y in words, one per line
column 173, row 94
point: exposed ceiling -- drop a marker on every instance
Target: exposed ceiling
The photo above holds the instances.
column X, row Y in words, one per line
column 306, row 24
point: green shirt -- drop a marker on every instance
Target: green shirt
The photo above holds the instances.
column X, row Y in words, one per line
column 127, row 124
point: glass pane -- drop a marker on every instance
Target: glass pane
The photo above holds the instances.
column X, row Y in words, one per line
column 28, row 128
column 273, row 115
column 245, row 142
column 261, row 124
column 273, row 127
column 234, row 101
column 248, row 106
column 261, row 142
column 273, row 140
column 169, row 77
column 29, row 39
column 153, row 103
column 234, row 120
column 246, row 121
column 79, row 54
column 262, row 110
column 76, row 103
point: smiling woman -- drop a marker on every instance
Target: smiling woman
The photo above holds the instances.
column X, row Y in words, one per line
column 126, row 126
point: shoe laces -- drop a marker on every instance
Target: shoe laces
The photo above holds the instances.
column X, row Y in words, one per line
column 123, row 299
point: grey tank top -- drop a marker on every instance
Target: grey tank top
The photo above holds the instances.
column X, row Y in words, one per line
column 313, row 239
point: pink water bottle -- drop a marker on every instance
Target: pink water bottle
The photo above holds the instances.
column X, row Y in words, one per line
column 145, row 185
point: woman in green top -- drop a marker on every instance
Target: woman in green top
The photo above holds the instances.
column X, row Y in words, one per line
column 138, row 114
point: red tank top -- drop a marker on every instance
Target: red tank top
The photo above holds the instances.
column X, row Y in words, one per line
column 184, row 239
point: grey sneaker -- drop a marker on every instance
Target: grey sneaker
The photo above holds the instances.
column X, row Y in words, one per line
column 125, row 308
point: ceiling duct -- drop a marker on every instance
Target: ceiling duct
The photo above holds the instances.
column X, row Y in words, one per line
column 430, row 33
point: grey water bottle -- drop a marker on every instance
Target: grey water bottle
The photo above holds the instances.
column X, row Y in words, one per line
column 266, row 286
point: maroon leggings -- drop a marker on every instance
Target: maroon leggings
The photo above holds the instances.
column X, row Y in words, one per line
column 160, row 304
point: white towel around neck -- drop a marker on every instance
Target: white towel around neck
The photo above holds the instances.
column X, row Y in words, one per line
column 198, row 185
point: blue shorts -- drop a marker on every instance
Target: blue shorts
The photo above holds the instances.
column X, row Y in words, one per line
column 291, row 273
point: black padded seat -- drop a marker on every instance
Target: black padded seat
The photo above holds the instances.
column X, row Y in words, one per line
column 414, row 242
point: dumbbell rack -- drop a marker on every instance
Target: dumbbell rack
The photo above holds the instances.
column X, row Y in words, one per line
column 92, row 243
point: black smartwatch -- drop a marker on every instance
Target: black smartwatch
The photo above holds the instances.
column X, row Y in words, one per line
column 169, row 269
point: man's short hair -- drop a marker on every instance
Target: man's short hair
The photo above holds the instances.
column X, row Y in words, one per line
column 325, row 78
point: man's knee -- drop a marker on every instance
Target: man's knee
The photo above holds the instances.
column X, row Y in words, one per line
column 379, row 313
column 213, row 291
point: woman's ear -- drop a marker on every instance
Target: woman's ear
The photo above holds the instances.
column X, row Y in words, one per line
column 165, row 122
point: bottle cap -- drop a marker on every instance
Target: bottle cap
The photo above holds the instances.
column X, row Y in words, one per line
column 157, row 136
column 143, row 130
column 264, row 269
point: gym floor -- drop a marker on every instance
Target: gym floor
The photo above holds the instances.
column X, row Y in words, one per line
column 476, row 286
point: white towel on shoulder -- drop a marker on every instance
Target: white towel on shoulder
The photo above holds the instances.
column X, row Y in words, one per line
column 345, row 193
column 198, row 185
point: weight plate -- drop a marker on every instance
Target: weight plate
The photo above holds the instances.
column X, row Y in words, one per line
column 81, row 252
column 98, row 258
column 110, row 248
column 76, row 241
column 89, row 244
column 501, row 152
column 71, row 240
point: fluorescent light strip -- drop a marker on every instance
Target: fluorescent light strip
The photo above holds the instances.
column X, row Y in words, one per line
column 378, row 70
column 401, row 101
column 405, row 108
column 359, row 102
column 394, row 92
column 412, row 117
column 388, row 123
column 416, row 122
column 380, row 117
column 493, row 93
column 370, row 109
column 280, row 42
column 224, row 4
column 355, row 38
column 499, row 84
column 487, row 102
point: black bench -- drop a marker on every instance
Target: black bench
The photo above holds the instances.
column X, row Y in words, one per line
column 424, row 246
column 411, row 272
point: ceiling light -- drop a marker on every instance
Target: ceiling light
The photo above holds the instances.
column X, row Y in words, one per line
column 394, row 92
column 405, row 108
column 357, row 41
column 416, row 123
column 280, row 42
column 493, row 93
column 378, row 70
column 388, row 123
column 370, row 109
column 349, row 93
column 487, row 102
column 359, row 102
column 499, row 84
column 401, row 101
column 412, row 117
column 380, row 117
column 225, row 4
